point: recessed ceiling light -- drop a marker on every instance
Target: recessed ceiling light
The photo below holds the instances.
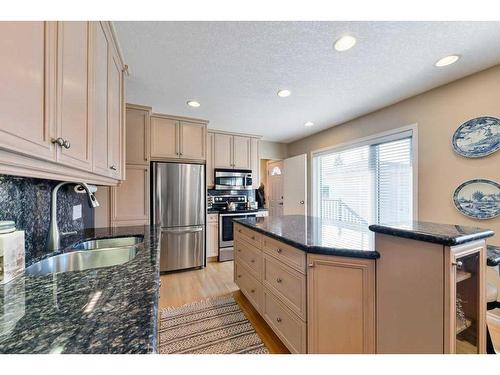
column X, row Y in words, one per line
column 309, row 123
column 284, row 93
column 345, row 43
column 447, row 60
column 193, row 103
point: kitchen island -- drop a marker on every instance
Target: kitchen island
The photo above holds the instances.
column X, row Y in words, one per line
column 331, row 287
column 101, row 310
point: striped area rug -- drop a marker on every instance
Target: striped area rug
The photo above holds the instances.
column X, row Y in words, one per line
column 213, row 326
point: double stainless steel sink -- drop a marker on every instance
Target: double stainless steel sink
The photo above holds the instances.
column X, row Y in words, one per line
column 88, row 255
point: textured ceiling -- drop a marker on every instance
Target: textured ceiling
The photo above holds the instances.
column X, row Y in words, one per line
column 234, row 69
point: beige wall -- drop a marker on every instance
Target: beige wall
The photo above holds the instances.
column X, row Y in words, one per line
column 437, row 113
column 272, row 150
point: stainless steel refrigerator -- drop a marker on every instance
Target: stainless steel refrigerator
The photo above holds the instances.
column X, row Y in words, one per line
column 178, row 192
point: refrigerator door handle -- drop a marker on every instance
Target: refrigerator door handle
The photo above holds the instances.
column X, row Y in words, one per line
column 182, row 230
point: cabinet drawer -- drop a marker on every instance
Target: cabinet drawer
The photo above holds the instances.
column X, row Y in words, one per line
column 285, row 253
column 212, row 218
column 286, row 283
column 248, row 235
column 250, row 256
column 289, row 327
column 249, row 285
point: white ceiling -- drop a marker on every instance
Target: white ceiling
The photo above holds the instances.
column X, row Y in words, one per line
column 234, row 69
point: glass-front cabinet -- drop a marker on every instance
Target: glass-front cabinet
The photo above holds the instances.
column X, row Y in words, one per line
column 467, row 326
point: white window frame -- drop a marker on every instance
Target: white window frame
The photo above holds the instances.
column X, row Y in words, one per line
column 387, row 136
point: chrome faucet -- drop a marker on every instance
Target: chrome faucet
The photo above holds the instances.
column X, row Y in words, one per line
column 54, row 238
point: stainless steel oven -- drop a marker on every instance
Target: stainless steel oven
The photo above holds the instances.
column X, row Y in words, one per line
column 233, row 179
column 226, row 251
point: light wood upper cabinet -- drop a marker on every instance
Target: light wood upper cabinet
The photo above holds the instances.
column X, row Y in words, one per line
column 241, row 152
column 100, row 100
column 340, row 304
column 27, row 87
column 164, row 143
column 210, row 160
column 193, row 140
column 115, row 115
column 130, row 200
column 137, row 134
column 57, row 93
column 72, row 92
column 174, row 138
column 223, row 150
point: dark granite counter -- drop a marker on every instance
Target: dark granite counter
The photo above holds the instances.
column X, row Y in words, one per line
column 104, row 310
column 493, row 255
column 443, row 234
column 315, row 235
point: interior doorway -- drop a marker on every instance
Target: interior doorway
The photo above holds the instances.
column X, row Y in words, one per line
column 275, row 187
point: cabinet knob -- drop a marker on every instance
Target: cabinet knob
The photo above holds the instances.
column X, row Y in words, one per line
column 180, row 153
column 253, row 261
column 279, row 250
column 239, row 276
column 278, row 319
column 253, row 238
column 310, row 265
column 252, row 291
column 66, row 144
column 113, row 167
column 278, row 280
column 59, row 141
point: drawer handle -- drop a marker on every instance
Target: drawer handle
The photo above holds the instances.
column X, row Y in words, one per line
column 278, row 319
column 278, row 280
column 113, row 167
column 239, row 250
column 239, row 230
column 279, row 250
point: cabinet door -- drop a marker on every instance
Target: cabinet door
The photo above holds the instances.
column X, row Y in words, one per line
column 340, row 305
column 137, row 136
column 255, row 162
column 212, row 239
column 210, row 160
column 26, row 80
column 164, row 137
column 241, row 152
column 99, row 109
column 192, row 140
column 115, row 114
column 73, row 124
column 130, row 200
column 223, row 150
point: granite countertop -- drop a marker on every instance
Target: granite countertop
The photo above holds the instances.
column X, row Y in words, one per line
column 443, row 234
column 315, row 235
column 493, row 255
column 104, row 310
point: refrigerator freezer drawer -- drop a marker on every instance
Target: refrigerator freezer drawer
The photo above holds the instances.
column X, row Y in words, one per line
column 182, row 247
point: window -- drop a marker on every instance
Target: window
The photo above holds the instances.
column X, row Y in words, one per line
column 365, row 183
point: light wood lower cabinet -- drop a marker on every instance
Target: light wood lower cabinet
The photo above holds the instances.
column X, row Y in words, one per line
column 340, row 304
column 130, row 200
column 327, row 307
column 212, row 235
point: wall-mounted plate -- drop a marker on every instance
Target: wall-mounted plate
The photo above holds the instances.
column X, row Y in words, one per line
column 477, row 137
column 478, row 199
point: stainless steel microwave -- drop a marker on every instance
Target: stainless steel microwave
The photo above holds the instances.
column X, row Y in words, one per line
column 233, row 179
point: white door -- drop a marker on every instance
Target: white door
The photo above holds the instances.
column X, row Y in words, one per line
column 295, row 185
column 275, row 183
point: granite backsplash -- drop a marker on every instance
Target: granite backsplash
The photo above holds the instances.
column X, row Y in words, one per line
column 27, row 202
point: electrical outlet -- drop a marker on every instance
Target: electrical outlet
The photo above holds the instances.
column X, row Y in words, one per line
column 77, row 212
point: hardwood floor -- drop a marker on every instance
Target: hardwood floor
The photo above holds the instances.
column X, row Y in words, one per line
column 216, row 279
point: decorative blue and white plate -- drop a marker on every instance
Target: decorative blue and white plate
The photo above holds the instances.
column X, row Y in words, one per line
column 478, row 199
column 477, row 137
